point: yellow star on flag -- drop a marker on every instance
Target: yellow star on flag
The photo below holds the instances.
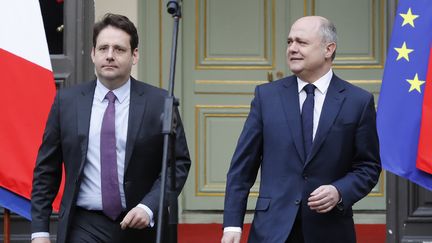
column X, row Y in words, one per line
column 403, row 52
column 409, row 18
column 415, row 83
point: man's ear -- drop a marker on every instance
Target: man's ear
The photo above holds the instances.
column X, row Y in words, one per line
column 92, row 54
column 330, row 49
column 135, row 56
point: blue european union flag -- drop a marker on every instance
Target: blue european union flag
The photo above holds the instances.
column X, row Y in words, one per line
column 401, row 98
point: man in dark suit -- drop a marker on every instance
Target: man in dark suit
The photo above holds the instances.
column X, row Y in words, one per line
column 107, row 136
column 314, row 137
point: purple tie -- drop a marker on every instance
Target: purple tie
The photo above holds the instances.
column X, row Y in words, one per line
column 111, row 202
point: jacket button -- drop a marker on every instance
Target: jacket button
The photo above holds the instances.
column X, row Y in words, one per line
column 126, row 185
column 297, row 202
column 305, row 176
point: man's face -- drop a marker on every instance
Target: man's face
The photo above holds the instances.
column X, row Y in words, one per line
column 112, row 57
column 306, row 53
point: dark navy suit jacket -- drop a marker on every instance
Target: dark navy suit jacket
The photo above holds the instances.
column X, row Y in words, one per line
column 345, row 153
column 65, row 143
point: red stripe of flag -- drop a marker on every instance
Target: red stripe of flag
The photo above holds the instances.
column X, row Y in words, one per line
column 424, row 153
column 28, row 92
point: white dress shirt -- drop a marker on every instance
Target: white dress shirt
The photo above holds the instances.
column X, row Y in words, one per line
column 90, row 194
column 321, row 85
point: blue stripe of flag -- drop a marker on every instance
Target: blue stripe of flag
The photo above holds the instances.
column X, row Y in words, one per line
column 15, row 203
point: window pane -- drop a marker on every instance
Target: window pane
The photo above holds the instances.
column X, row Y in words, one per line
column 52, row 14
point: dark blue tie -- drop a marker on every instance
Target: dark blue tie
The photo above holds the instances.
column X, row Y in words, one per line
column 111, row 202
column 307, row 117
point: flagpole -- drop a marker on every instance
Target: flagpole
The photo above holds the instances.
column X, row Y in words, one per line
column 6, row 226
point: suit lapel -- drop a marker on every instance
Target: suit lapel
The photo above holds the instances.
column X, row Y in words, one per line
column 290, row 102
column 84, row 105
column 137, row 106
column 332, row 104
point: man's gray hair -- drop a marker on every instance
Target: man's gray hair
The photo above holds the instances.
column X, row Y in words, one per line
column 328, row 33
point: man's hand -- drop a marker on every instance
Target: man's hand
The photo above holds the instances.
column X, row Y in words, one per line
column 231, row 237
column 136, row 218
column 323, row 199
column 41, row 240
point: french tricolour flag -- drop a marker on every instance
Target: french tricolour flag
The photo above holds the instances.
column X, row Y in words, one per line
column 26, row 94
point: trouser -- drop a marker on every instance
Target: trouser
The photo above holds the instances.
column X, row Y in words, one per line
column 296, row 234
column 90, row 226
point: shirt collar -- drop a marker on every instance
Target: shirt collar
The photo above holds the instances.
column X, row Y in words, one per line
column 121, row 93
column 321, row 84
